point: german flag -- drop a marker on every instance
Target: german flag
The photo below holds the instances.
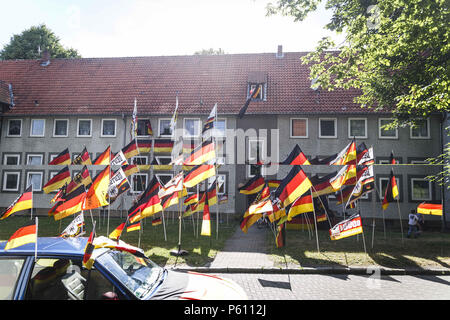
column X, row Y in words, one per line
column 163, row 146
column 147, row 206
column 170, row 200
column 303, row 204
column 254, row 185
column 117, row 232
column 82, row 177
column 294, row 185
column 24, row 235
column 281, row 236
column 104, row 158
column 209, row 123
column 261, row 207
column 22, row 203
column 248, row 220
column 364, row 155
column 129, row 169
column 82, row 158
column 62, row 158
column 156, row 222
column 391, row 192
column 152, row 187
column 130, row 150
column 273, row 183
column 254, row 92
column 296, row 157
column 346, row 156
column 88, row 250
column 434, row 209
column 347, row 172
column 189, row 146
column 97, row 194
column 72, row 204
column 133, row 226
column 191, row 199
column 198, row 174
column 322, row 186
column 206, row 221
column 58, row 181
column 144, row 146
column 202, row 154
column 212, row 193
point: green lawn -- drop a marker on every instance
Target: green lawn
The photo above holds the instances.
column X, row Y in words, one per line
column 430, row 250
column 201, row 249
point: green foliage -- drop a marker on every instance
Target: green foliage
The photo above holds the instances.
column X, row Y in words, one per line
column 37, row 38
column 396, row 52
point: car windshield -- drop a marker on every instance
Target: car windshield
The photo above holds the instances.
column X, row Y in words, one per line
column 139, row 275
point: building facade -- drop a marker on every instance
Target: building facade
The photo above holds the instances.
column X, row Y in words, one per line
column 88, row 103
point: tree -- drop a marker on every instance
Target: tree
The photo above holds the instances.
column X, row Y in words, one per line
column 31, row 42
column 210, row 52
column 397, row 52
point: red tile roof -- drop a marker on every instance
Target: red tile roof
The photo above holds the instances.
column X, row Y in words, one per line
column 109, row 85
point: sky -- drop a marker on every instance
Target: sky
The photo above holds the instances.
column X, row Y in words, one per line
column 125, row 28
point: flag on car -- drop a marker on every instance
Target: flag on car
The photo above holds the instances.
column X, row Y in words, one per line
column 24, row 235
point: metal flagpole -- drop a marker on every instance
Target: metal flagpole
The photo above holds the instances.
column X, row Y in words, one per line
column 35, row 245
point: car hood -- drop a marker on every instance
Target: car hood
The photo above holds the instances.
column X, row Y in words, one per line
column 198, row 286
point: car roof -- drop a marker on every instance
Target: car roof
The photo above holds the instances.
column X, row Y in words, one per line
column 50, row 246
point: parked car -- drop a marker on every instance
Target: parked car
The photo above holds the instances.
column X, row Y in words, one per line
column 55, row 272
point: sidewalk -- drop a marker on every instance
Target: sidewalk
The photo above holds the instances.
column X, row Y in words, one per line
column 246, row 253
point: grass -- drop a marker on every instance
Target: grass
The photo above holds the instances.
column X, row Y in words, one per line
column 429, row 250
column 201, row 249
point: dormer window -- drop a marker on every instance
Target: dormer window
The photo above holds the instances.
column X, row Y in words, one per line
column 257, row 86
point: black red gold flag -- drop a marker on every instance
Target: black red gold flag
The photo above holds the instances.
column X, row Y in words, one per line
column 63, row 158
column 24, row 235
column 23, row 203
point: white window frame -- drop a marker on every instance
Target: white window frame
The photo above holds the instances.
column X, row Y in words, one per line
column 140, row 157
column 133, row 189
column 186, row 133
column 420, row 137
column 31, row 128
column 78, row 128
column 430, row 190
column 35, row 155
column 14, row 135
column 350, row 131
column 216, row 132
column 291, row 127
column 115, row 128
column 163, row 157
column 54, row 128
column 224, row 182
column 159, row 128
column 380, row 186
column 335, row 128
column 12, row 155
column 250, row 158
column 380, row 129
column 28, row 179
column 5, row 174
column 158, row 175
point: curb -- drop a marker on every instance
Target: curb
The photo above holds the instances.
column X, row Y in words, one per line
column 319, row 270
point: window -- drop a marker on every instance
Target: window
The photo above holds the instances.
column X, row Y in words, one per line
column 164, row 129
column 261, row 96
column 420, row 189
column 60, row 128
column 220, row 127
column 84, row 128
column 35, row 179
column 37, row 127
column 387, row 160
column 357, row 128
column 164, row 178
column 327, row 128
column 384, row 133
column 192, row 127
column 139, row 160
column 255, row 152
column 382, row 184
column 221, row 180
column 34, row 159
column 139, row 182
column 108, row 128
column 299, row 128
column 164, row 160
column 11, row 159
column 421, row 130
column 14, row 128
column 11, row 180
column 11, row 269
column 144, row 128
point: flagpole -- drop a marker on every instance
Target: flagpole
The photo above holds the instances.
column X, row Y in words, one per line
column 35, row 245
column 315, row 222
column 362, row 229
